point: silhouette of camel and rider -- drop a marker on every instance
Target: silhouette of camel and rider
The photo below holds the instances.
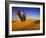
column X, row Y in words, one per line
column 21, row 14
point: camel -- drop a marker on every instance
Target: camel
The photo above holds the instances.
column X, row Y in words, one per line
column 21, row 14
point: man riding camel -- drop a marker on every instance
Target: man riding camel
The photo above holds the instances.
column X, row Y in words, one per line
column 21, row 15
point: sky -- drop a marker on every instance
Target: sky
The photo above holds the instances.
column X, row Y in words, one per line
column 30, row 12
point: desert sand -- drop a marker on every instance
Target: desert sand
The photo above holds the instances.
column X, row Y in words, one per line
column 28, row 24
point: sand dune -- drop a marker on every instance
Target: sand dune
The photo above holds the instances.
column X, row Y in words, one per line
column 29, row 24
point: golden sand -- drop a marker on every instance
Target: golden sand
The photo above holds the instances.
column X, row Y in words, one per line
column 25, row 25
